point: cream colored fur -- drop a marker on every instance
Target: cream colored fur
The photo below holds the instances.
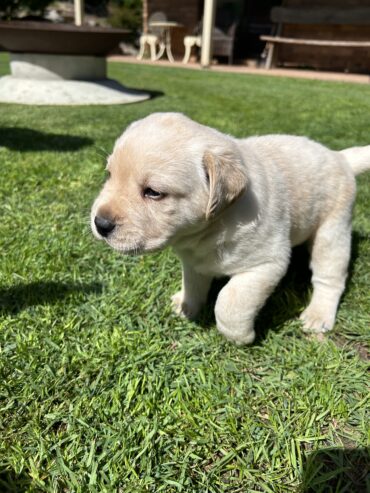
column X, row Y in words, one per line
column 233, row 207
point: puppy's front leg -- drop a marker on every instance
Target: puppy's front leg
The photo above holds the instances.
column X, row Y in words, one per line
column 193, row 294
column 240, row 300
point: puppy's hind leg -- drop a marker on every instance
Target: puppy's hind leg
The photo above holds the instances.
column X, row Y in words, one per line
column 330, row 256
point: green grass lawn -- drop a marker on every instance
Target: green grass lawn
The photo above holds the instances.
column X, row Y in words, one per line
column 102, row 388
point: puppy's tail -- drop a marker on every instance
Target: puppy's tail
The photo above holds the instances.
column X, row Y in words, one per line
column 358, row 158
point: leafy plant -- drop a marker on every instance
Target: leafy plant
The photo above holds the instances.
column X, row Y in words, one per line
column 11, row 8
column 126, row 13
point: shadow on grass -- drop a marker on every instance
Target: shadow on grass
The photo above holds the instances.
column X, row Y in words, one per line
column 335, row 470
column 114, row 84
column 10, row 482
column 153, row 94
column 26, row 139
column 16, row 298
column 290, row 297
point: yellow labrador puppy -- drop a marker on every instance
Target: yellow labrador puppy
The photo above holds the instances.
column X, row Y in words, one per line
column 232, row 207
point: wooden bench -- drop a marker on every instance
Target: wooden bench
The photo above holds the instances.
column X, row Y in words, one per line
column 281, row 16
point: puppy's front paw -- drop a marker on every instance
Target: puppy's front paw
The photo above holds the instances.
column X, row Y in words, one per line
column 236, row 334
column 317, row 320
column 183, row 307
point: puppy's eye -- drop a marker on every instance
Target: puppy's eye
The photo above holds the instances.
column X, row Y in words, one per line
column 149, row 193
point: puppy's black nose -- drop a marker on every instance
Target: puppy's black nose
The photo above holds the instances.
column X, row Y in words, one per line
column 104, row 225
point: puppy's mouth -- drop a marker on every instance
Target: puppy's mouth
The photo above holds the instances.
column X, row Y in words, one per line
column 126, row 248
column 134, row 248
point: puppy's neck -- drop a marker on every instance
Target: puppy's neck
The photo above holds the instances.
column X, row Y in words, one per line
column 243, row 214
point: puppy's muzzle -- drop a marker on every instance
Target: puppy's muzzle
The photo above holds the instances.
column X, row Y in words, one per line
column 104, row 226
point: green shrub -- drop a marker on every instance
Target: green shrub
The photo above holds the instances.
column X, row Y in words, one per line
column 125, row 13
column 11, row 8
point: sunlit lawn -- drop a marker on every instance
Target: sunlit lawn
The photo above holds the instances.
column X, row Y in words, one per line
column 102, row 389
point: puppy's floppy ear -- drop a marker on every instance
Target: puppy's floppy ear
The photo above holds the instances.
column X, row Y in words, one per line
column 227, row 179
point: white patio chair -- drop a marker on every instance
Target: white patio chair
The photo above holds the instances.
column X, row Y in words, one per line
column 223, row 43
column 189, row 42
column 153, row 38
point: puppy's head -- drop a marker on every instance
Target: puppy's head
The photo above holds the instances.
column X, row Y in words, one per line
column 168, row 177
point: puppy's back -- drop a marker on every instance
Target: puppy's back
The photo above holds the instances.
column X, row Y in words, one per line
column 317, row 180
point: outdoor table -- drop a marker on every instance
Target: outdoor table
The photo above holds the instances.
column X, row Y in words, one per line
column 165, row 43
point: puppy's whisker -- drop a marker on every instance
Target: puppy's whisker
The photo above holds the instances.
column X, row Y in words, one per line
column 86, row 221
column 101, row 151
column 83, row 221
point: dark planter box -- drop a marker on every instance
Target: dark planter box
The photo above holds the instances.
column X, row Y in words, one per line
column 58, row 39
